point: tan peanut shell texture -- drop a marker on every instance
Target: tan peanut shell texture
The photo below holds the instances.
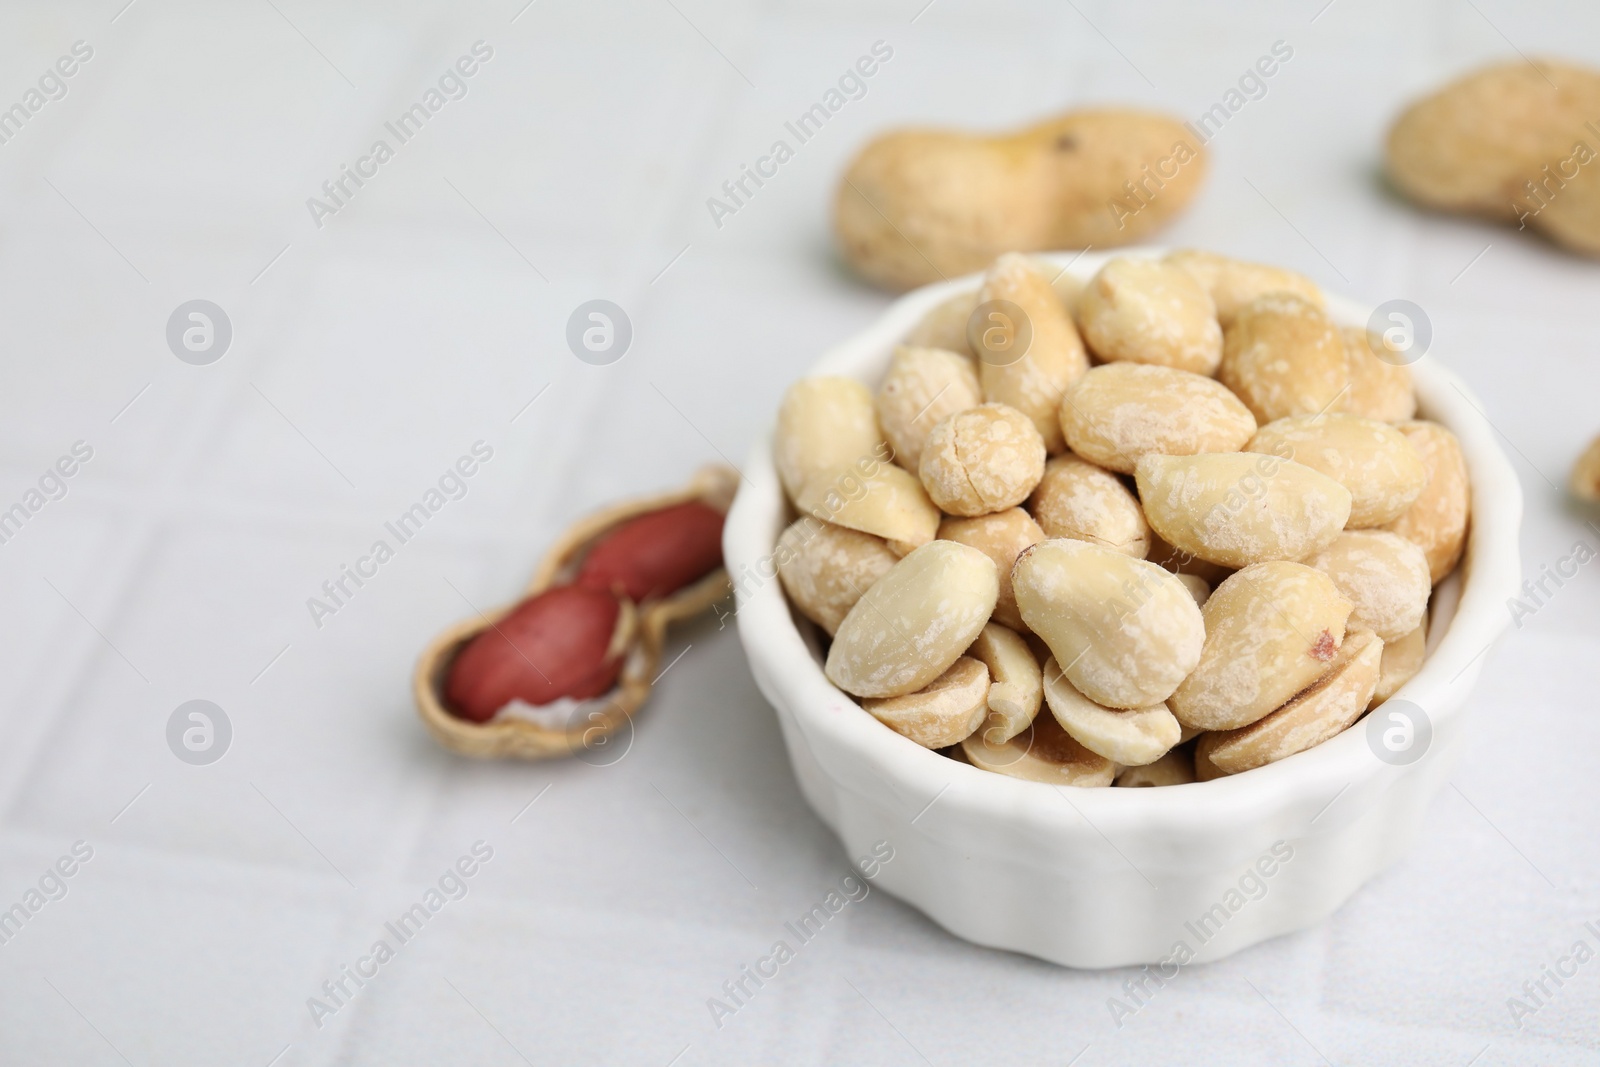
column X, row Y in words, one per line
column 1132, row 574
column 1515, row 141
column 920, row 205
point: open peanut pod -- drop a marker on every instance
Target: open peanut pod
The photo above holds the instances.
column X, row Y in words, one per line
column 568, row 724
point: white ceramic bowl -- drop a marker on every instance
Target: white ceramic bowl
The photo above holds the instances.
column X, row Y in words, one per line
column 1108, row 877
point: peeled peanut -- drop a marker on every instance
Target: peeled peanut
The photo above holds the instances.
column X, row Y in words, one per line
column 1238, row 508
column 1585, row 478
column 1001, row 536
column 825, row 568
column 1017, row 686
column 982, row 460
column 1125, row 631
column 1120, row 412
column 1384, row 576
column 1033, row 382
column 914, row 622
column 823, row 424
column 946, row 325
column 923, row 387
column 943, row 712
column 1175, row 768
column 1271, row 630
column 1437, row 521
column 1131, row 737
column 1402, row 659
column 1044, row 752
column 1283, row 356
column 1145, row 311
column 917, row 205
column 884, row 501
column 1378, row 389
column 1079, row 500
column 1372, row 459
column 1325, row 708
column 1233, row 283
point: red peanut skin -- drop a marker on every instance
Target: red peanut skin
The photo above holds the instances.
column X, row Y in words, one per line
column 553, row 645
column 655, row 554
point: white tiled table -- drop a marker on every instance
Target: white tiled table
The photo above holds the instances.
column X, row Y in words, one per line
column 370, row 353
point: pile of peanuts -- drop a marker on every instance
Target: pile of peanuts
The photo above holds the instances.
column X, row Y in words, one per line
column 1177, row 506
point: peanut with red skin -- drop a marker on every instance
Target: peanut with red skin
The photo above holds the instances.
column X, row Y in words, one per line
column 556, row 644
column 655, row 554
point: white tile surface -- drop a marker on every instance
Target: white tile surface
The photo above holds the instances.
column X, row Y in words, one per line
column 425, row 314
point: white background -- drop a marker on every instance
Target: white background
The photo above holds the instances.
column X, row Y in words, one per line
column 425, row 315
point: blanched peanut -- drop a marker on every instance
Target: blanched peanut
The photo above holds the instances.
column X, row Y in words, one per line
column 1402, row 660
column 915, row 622
column 1146, row 311
column 1131, row 737
column 1271, row 630
column 1284, row 356
column 1033, row 384
column 923, row 387
column 1437, row 521
column 825, row 568
column 1238, row 508
column 823, row 424
column 1372, row 459
column 1125, row 631
column 1175, row 768
column 1383, row 575
column 1017, row 686
column 1197, row 588
column 1325, row 708
column 946, row 325
column 982, row 460
column 1121, row 411
column 1044, row 752
column 943, row 712
column 886, row 502
column 1233, row 283
column 1079, row 500
column 1002, row 537
column 1378, row 389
